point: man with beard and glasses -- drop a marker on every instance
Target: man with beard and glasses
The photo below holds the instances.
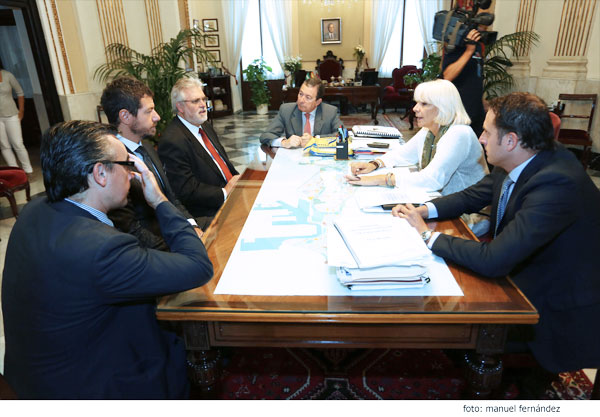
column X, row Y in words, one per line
column 195, row 161
column 129, row 106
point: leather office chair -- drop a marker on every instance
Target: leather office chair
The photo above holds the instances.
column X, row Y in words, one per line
column 399, row 94
column 13, row 179
column 573, row 109
column 330, row 66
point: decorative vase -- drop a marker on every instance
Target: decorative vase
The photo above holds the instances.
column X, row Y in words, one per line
column 357, row 70
column 262, row 109
column 288, row 79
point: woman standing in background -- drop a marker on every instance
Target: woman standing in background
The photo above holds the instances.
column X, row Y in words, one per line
column 11, row 136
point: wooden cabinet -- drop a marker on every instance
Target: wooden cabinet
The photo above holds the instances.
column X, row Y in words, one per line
column 219, row 88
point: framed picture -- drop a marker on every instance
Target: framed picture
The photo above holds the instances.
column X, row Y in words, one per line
column 210, row 25
column 196, row 24
column 331, row 30
column 211, row 41
column 215, row 55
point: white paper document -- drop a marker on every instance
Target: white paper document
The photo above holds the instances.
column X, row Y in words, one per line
column 371, row 241
column 368, row 197
column 283, row 248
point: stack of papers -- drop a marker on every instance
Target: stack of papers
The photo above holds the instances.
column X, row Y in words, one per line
column 382, row 252
column 383, row 278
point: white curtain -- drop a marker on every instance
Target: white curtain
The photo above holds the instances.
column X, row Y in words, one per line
column 277, row 16
column 13, row 58
column 385, row 15
column 426, row 11
column 234, row 13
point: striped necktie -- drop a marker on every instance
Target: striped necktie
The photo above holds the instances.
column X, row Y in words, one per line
column 148, row 161
column 503, row 201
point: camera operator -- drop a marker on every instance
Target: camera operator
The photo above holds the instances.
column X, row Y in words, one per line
column 464, row 67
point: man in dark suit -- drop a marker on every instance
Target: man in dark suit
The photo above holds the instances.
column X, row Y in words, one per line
column 290, row 129
column 78, row 296
column 547, row 215
column 195, row 161
column 129, row 107
column 464, row 67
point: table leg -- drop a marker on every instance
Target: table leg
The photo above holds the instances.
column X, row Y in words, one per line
column 483, row 368
column 204, row 372
column 374, row 111
column 203, row 362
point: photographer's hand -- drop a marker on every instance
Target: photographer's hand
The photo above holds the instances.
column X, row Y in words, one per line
column 471, row 40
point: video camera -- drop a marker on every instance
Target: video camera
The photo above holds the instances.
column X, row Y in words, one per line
column 453, row 26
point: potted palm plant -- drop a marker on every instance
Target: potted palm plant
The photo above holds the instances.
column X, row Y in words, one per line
column 496, row 78
column 160, row 70
column 256, row 75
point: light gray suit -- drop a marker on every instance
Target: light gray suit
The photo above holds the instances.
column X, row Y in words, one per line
column 288, row 122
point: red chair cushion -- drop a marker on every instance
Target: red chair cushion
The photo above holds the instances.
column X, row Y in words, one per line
column 13, row 177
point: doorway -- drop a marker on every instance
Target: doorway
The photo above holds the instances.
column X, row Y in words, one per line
column 23, row 53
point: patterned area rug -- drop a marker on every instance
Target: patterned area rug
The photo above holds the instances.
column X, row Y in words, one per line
column 345, row 374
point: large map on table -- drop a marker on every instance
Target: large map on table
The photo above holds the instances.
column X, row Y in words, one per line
column 284, row 240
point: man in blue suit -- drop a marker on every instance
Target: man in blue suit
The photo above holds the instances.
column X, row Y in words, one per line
column 547, row 215
column 297, row 122
column 78, row 296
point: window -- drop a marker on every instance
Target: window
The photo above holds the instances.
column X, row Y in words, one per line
column 257, row 42
column 406, row 44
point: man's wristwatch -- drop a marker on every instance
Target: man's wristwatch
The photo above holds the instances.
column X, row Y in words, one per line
column 426, row 235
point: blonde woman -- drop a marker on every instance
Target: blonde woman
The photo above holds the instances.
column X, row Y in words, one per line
column 446, row 151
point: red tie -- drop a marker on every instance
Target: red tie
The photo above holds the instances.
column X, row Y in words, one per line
column 307, row 124
column 216, row 155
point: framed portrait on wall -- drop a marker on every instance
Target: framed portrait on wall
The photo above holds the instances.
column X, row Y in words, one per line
column 211, row 41
column 210, row 25
column 331, row 30
column 215, row 56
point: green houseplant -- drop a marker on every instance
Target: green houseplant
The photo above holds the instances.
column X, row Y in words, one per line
column 432, row 64
column 256, row 75
column 160, row 70
column 496, row 78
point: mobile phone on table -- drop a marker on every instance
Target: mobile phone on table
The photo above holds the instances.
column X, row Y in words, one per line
column 391, row 206
column 378, row 145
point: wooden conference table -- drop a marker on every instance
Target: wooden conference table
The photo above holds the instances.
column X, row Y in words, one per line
column 355, row 95
column 476, row 321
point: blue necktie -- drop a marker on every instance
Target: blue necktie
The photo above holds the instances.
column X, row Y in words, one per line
column 502, row 201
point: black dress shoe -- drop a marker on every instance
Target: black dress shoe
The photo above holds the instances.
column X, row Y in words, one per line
column 533, row 385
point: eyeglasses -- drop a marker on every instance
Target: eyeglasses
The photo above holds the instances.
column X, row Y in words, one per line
column 196, row 101
column 130, row 165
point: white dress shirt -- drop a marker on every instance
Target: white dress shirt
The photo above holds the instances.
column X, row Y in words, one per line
column 276, row 143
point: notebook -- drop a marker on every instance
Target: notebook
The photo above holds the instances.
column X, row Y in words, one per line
column 376, row 131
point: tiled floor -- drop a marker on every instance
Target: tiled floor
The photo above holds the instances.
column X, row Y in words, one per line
column 238, row 134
